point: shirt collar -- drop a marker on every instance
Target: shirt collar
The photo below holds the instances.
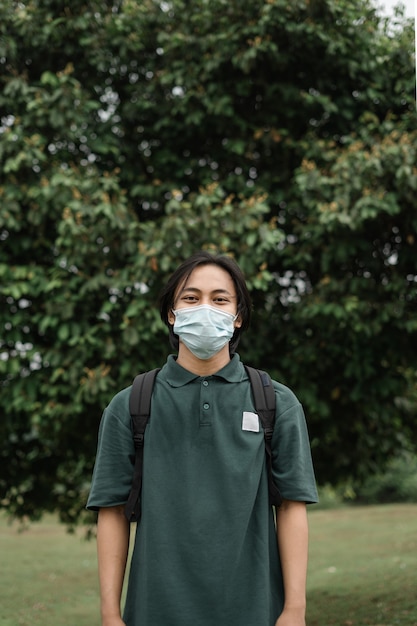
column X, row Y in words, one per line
column 177, row 376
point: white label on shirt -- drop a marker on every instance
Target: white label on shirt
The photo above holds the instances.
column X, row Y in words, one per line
column 250, row 421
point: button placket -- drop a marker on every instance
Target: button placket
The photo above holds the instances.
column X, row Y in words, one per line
column 205, row 417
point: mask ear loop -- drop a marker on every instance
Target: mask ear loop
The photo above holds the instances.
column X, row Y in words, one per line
column 171, row 312
column 237, row 316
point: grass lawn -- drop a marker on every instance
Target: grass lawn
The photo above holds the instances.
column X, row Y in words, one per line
column 47, row 576
column 362, row 571
column 363, row 566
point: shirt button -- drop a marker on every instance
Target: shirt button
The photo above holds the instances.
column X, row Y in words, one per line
column 206, row 406
column 205, row 383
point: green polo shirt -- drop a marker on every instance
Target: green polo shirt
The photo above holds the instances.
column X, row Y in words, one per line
column 205, row 551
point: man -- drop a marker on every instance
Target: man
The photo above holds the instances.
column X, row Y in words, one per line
column 207, row 551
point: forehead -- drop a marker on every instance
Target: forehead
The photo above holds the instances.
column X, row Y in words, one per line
column 209, row 278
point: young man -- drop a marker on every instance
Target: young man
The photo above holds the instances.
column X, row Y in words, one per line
column 207, row 551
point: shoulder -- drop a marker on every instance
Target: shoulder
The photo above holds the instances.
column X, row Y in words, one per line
column 285, row 398
column 118, row 407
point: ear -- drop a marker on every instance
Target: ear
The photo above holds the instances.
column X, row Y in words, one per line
column 238, row 321
column 171, row 317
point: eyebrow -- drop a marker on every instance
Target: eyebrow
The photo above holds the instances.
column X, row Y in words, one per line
column 215, row 291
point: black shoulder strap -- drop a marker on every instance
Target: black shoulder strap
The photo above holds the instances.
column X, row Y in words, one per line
column 140, row 408
column 265, row 404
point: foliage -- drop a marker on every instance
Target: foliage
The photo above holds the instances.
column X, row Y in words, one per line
column 132, row 134
column 398, row 483
column 355, row 326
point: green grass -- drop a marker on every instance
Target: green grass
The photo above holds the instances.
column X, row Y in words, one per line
column 47, row 576
column 363, row 566
column 362, row 571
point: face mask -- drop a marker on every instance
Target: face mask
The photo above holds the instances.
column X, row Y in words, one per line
column 204, row 329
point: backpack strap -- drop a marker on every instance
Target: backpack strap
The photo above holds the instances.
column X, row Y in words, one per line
column 265, row 405
column 140, row 408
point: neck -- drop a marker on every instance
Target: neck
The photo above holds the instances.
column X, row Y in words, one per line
column 203, row 367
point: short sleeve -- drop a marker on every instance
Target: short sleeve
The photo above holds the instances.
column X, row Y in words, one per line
column 292, row 465
column 114, row 464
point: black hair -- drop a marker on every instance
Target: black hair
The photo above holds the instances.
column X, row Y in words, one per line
column 181, row 274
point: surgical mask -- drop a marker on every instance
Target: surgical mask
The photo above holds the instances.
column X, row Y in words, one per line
column 204, row 329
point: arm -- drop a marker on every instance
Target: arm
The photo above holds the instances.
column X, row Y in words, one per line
column 113, row 533
column 292, row 535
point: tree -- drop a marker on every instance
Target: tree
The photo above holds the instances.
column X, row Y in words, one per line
column 134, row 133
column 353, row 326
